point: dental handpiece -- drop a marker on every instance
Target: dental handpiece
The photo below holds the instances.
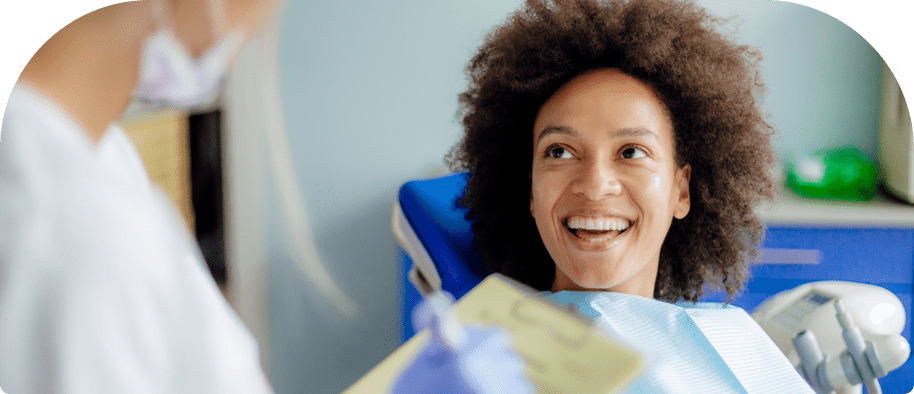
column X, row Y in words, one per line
column 450, row 334
column 856, row 348
column 450, row 331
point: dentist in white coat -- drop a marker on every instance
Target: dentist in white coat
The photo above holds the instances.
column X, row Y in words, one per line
column 102, row 288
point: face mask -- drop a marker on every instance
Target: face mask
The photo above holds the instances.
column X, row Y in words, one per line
column 169, row 75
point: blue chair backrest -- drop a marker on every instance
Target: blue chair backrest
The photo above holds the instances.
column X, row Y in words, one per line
column 433, row 211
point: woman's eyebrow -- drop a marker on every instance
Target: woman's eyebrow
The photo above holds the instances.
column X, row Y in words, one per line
column 634, row 132
column 556, row 130
column 626, row 132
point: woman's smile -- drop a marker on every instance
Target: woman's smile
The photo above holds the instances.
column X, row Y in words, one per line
column 594, row 234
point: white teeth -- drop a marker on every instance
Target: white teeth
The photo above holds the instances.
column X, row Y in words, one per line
column 597, row 224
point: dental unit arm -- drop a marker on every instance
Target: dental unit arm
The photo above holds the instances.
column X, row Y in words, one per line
column 837, row 334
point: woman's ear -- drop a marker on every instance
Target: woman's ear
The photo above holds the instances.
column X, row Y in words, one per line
column 684, row 202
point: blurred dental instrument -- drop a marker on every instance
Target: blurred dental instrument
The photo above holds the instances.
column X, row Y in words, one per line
column 466, row 359
column 838, row 334
column 448, row 330
column 451, row 333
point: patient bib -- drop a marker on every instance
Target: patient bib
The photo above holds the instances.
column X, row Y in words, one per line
column 690, row 347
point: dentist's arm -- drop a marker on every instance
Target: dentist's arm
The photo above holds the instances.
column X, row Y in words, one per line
column 461, row 359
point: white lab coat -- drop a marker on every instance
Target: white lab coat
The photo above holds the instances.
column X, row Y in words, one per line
column 102, row 289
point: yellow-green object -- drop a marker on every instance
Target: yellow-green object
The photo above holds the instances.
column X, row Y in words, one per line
column 844, row 173
column 565, row 352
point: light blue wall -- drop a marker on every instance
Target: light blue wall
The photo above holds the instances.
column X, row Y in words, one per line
column 370, row 95
column 824, row 79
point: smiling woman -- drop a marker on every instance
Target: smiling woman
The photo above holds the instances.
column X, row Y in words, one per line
column 605, row 183
column 618, row 146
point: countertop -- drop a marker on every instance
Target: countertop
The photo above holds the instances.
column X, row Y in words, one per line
column 794, row 210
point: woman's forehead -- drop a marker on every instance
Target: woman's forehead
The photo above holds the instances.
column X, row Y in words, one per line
column 606, row 100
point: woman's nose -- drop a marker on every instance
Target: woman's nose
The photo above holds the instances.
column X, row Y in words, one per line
column 596, row 181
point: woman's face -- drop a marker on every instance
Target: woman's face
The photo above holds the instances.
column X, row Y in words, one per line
column 605, row 183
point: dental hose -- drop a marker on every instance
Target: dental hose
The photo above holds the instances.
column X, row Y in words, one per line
column 856, row 347
column 872, row 386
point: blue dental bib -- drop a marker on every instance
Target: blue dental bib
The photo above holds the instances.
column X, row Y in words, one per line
column 690, row 347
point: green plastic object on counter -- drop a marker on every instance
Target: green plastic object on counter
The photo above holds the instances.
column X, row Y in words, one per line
column 844, row 173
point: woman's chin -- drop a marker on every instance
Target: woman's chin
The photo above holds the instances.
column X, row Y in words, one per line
column 588, row 282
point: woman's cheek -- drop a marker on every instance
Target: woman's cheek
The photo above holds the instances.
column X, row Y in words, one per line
column 551, row 185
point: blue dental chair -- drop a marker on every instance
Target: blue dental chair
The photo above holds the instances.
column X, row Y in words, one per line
column 429, row 221
column 436, row 246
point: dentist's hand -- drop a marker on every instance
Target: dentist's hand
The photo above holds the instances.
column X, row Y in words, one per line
column 482, row 361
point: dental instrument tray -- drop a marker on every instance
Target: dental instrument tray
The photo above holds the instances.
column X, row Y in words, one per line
column 564, row 352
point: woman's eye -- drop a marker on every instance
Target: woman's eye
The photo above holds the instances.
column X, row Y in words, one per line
column 557, row 152
column 633, row 153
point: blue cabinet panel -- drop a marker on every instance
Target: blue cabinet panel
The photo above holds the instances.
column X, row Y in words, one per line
column 900, row 380
column 860, row 255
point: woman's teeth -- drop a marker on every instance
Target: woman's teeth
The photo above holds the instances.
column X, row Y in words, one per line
column 596, row 229
column 597, row 224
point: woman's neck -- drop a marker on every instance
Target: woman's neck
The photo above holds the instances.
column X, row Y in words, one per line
column 91, row 66
column 641, row 284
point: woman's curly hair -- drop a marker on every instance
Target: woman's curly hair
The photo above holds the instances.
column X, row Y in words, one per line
column 709, row 87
